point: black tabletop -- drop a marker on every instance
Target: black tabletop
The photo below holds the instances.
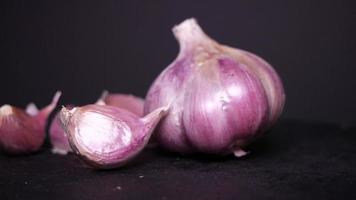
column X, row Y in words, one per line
column 296, row 160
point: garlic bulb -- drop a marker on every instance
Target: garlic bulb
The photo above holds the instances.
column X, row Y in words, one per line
column 129, row 102
column 221, row 98
column 24, row 131
column 107, row 136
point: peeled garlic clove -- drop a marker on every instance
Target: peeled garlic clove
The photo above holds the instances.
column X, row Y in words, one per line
column 128, row 102
column 107, row 136
column 24, row 131
column 222, row 98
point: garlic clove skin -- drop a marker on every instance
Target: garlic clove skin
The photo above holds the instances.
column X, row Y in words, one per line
column 106, row 136
column 269, row 78
column 23, row 132
column 222, row 98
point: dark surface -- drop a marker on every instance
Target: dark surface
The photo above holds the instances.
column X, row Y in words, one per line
column 297, row 160
column 123, row 45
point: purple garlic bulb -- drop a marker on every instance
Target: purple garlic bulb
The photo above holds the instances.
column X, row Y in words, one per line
column 221, row 98
column 107, row 136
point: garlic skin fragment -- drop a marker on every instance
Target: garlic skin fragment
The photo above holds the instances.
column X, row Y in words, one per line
column 106, row 136
column 23, row 132
column 222, row 98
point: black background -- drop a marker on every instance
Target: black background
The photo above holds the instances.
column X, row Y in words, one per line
column 83, row 47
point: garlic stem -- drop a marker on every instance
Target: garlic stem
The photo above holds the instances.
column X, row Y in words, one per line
column 190, row 35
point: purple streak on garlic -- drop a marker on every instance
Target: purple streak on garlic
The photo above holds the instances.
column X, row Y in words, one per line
column 22, row 131
column 221, row 98
column 107, row 136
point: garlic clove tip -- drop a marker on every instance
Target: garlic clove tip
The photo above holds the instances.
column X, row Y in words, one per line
column 32, row 109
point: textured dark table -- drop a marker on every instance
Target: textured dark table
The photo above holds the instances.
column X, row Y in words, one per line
column 296, row 160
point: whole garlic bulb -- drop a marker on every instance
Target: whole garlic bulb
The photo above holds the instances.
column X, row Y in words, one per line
column 221, row 98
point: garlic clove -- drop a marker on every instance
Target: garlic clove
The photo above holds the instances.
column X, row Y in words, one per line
column 18, row 133
column 128, row 102
column 57, row 136
column 21, row 132
column 106, row 136
column 59, row 139
column 269, row 78
column 217, row 106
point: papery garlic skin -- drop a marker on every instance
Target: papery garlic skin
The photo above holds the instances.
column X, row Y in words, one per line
column 221, row 98
column 106, row 136
column 23, row 132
